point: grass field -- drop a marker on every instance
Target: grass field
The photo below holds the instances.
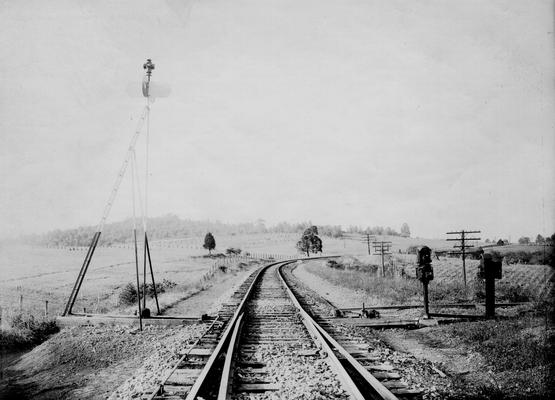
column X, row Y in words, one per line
column 519, row 283
column 38, row 274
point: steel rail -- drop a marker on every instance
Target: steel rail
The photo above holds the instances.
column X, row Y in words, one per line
column 231, row 332
column 198, row 383
column 224, row 392
column 224, row 339
column 319, row 339
column 330, row 344
column 181, row 359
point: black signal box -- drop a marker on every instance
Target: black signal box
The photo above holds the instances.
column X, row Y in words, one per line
column 424, row 270
column 425, row 273
column 490, row 264
column 424, row 255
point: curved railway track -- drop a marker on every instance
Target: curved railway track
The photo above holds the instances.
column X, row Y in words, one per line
column 268, row 342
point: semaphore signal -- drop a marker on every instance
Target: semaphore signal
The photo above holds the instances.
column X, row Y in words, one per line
column 129, row 159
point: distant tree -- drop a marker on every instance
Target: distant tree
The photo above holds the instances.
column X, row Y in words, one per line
column 390, row 231
column 524, row 240
column 487, row 241
column 540, row 239
column 310, row 242
column 209, row 243
column 501, row 242
column 260, row 225
column 405, row 230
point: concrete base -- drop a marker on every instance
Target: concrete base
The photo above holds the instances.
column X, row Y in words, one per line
column 377, row 323
column 110, row 320
column 425, row 322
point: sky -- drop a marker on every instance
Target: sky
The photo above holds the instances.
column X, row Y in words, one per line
column 346, row 112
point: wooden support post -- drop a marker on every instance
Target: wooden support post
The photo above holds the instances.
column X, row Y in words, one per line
column 20, row 302
column 138, row 284
column 426, row 303
column 383, row 264
column 490, row 291
column 46, row 308
column 147, row 247
column 463, row 257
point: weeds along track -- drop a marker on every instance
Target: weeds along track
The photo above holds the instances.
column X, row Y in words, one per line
column 323, row 312
column 264, row 345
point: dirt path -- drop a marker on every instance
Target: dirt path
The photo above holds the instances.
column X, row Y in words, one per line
column 216, row 292
column 337, row 295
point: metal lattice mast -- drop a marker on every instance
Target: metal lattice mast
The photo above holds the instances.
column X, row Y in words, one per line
column 121, row 173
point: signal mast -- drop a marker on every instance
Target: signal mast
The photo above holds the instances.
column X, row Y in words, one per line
column 130, row 158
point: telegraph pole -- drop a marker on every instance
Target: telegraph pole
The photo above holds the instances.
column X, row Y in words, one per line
column 367, row 238
column 382, row 249
column 463, row 239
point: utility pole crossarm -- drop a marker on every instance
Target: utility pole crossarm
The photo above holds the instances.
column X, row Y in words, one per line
column 463, row 246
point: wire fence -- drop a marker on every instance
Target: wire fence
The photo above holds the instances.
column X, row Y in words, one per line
column 42, row 304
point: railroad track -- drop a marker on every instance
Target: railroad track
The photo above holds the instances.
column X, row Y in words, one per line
column 265, row 342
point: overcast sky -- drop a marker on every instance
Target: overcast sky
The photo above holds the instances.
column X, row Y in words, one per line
column 435, row 113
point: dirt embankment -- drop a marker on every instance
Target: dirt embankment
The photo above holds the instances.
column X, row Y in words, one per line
column 88, row 362
column 92, row 362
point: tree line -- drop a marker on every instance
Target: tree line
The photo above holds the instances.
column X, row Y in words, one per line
column 167, row 227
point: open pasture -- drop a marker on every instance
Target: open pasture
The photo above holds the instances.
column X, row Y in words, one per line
column 34, row 275
column 40, row 274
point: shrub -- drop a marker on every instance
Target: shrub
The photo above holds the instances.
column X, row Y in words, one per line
column 523, row 257
column 27, row 330
column 513, row 293
column 167, row 284
column 233, row 251
column 128, row 295
column 334, row 264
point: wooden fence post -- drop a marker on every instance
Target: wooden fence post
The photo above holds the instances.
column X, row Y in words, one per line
column 46, row 308
column 20, row 302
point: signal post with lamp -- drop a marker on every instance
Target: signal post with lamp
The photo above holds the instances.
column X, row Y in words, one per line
column 425, row 273
column 490, row 269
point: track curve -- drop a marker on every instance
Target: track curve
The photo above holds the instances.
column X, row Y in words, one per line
column 267, row 345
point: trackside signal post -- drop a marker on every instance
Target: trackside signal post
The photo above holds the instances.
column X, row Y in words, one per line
column 490, row 270
column 425, row 273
